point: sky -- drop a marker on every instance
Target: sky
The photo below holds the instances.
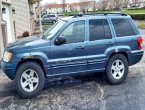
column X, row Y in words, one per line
column 56, row 1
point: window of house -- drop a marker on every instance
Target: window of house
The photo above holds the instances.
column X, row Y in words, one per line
column 99, row 29
column 123, row 27
column 75, row 32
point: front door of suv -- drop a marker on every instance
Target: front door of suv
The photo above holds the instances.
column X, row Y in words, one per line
column 100, row 40
column 70, row 57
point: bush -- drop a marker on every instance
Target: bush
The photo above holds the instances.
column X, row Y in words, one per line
column 136, row 9
column 70, row 13
column 138, row 16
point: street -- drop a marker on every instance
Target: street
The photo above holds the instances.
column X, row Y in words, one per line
column 89, row 92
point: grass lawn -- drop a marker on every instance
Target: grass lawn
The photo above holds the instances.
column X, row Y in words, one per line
column 141, row 25
column 134, row 11
column 141, row 11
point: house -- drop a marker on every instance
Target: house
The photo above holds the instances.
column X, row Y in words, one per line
column 17, row 16
column 137, row 3
column 78, row 6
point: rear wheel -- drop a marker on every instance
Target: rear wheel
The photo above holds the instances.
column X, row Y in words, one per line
column 29, row 79
column 117, row 69
column 53, row 21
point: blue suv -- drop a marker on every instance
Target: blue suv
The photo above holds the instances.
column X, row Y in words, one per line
column 75, row 45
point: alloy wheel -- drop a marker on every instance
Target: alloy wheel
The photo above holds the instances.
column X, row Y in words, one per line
column 29, row 80
column 117, row 69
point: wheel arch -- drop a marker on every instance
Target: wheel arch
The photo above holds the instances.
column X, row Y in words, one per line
column 36, row 60
column 122, row 53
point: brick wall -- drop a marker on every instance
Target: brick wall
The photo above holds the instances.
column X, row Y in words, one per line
column 21, row 16
column 4, row 34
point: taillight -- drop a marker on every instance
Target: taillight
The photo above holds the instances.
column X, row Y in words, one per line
column 140, row 43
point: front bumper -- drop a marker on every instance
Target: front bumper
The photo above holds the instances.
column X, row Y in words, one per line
column 9, row 69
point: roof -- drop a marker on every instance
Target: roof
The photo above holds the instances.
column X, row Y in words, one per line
column 92, row 16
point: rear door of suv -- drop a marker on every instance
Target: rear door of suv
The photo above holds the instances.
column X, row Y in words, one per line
column 99, row 41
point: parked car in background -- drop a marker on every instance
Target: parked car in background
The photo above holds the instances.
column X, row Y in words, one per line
column 81, row 44
column 49, row 18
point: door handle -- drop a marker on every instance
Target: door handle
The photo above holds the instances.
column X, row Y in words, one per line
column 110, row 43
column 80, row 47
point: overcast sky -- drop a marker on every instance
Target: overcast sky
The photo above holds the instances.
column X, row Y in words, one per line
column 56, row 1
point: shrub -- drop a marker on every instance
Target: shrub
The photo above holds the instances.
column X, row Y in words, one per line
column 70, row 13
column 136, row 9
column 138, row 16
column 25, row 34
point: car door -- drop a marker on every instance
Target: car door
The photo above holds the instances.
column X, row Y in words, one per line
column 47, row 19
column 70, row 57
column 100, row 40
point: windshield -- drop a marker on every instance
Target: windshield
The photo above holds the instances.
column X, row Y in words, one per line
column 52, row 30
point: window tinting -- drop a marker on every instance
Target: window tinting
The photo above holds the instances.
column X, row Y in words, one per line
column 99, row 29
column 123, row 27
column 75, row 32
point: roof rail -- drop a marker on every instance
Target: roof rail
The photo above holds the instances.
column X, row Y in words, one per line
column 95, row 14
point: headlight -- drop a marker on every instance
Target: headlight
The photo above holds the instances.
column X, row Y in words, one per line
column 7, row 56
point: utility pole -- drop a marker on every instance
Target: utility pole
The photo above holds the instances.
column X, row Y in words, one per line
column 1, row 37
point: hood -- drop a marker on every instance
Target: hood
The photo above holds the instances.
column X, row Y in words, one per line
column 27, row 43
column 23, row 41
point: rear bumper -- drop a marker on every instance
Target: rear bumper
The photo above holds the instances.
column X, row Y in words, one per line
column 135, row 57
column 9, row 69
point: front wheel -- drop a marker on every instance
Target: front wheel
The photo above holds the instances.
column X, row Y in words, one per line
column 29, row 79
column 117, row 69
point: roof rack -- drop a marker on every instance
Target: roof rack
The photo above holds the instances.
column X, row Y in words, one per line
column 95, row 14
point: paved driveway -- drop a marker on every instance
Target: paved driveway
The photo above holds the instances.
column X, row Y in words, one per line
column 82, row 93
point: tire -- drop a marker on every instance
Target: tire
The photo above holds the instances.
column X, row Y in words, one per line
column 26, row 87
column 117, row 74
column 53, row 21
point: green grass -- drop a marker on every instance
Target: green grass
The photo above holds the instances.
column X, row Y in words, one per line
column 134, row 11
column 70, row 13
column 47, row 26
column 142, row 26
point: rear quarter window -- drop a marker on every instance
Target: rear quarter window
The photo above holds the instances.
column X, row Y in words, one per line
column 123, row 27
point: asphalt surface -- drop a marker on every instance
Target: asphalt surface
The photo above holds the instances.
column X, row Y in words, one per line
column 89, row 92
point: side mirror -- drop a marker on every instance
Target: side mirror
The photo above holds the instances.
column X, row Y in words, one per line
column 60, row 41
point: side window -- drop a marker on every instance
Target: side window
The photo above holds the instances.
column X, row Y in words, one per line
column 47, row 16
column 123, row 27
column 99, row 29
column 75, row 32
column 108, row 34
column 52, row 15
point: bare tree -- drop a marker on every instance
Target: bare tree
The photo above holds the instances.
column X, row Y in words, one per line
column 63, row 3
column 126, row 3
column 94, row 5
column 102, row 4
column 117, row 4
column 73, row 7
column 84, row 5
